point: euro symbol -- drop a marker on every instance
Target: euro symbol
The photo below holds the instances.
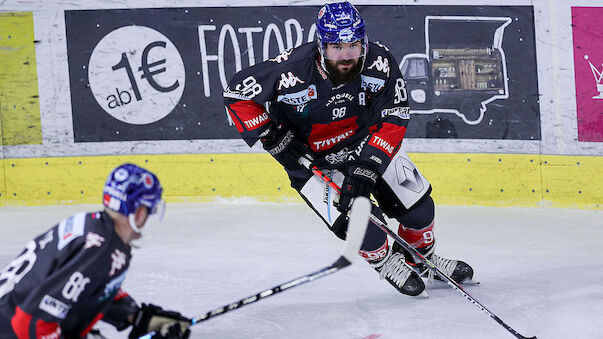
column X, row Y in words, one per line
column 148, row 74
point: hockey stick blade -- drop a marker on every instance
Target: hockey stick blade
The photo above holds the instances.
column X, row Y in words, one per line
column 358, row 222
column 306, row 163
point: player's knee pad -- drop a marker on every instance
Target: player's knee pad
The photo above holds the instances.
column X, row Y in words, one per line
column 420, row 215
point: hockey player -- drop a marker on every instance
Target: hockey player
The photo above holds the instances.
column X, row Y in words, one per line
column 69, row 277
column 342, row 102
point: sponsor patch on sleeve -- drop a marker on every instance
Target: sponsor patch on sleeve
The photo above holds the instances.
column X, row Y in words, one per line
column 70, row 229
column 54, row 307
column 401, row 112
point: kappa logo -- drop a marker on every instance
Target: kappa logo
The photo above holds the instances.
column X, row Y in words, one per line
column 282, row 57
column 289, row 80
column 118, row 261
column 381, row 45
column 93, row 240
column 381, row 64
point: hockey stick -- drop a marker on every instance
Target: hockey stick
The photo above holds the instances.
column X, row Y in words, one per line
column 359, row 216
column 306, row 163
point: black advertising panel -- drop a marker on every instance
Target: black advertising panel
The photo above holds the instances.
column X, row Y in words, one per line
column 158, row 74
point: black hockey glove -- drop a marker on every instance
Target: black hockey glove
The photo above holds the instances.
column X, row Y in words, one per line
column 358, row 182
column 165, row 324
column 282, row 144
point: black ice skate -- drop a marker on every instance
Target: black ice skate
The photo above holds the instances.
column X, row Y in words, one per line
column 395, row 270
column 458, row 270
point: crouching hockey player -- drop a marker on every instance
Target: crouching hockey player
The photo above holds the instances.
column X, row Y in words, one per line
column 342, row 101
column 69, row 277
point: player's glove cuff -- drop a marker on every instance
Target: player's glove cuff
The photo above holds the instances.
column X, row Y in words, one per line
column 359, row 181
column 165, row 324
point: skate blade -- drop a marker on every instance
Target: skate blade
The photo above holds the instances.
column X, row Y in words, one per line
column 423, row 295
column 440, row 283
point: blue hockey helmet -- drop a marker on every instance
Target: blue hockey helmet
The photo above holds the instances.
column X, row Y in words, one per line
column 340, row 22
column 128, row 187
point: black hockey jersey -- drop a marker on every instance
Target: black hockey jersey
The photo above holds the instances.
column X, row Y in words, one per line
column 365, row 118
column 65, row 277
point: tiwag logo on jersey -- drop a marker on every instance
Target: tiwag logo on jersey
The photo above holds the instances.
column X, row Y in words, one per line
column 255, row 122
column 388, row 138
column 247, row 115
column 381, row 64
column 289, row 80
column 324, row 137
column 383, row 144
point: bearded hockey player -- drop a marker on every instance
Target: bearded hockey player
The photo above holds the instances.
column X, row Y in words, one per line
column 69, row 277
column 342, row 102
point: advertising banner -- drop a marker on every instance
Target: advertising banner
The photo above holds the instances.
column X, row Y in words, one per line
column 588, row 66
column 158, row 74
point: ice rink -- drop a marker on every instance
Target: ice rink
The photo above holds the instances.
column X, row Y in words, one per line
column 541, row 272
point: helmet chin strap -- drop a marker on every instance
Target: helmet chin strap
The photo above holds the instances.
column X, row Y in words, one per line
column 132, row 223
column 322, row 63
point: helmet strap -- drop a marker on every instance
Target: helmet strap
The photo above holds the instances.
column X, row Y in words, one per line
column 322, row 64
column 132, row 222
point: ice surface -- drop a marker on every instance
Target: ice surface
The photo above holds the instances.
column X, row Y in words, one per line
column 541, row 272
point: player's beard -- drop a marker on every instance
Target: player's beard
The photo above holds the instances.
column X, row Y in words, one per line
column 338, row 77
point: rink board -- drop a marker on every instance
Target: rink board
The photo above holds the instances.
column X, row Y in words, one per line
column 19, row 100
column 457, row 179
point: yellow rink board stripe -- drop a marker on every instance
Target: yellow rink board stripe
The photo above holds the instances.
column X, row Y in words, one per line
column 19, row 98
column 457, row 179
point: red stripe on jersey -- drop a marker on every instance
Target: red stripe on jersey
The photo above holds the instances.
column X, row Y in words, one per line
column 417, row 238
column 45, row 330
column 324, row 137
column 388, row 138
column 120, row 295
column 89, row 327
column 250, row 113
column 20, row 323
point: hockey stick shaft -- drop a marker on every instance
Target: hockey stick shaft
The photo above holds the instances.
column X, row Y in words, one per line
column 336, row 266
column 359, row 217
column 305, row 162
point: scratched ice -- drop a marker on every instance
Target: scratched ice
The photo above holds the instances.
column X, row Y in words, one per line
column 540, row 272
